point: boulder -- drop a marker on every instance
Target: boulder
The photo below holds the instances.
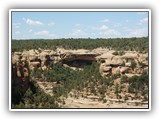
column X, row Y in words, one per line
column 116, row 70
column 108, row 62
column 128, row 64
column 52, row 53
column 43, row 55
column 18, row 53
column 15, row 58
column 130, row 55
column 24, row 59
column 44, row 67
column 32, row 55
column 106, row 68
column 33, row 58
column 65, row 65
column 105, row 74
column 117, row 61
column 24, row 56
column 124, row 69
column 107, row 55
column 143, row 57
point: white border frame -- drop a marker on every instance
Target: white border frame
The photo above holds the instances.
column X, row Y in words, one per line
column 88, row 10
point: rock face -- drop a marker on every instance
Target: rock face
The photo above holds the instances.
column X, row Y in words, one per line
column 81, row 54
column 129, row 62
column 20, row 79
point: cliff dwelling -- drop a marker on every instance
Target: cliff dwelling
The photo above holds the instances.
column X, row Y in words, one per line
column 78, row 63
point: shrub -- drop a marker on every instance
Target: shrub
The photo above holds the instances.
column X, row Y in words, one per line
column 124, row 79
column 115, row 53
column 133, row 64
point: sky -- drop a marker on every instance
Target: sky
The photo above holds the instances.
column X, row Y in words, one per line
column 53, row 25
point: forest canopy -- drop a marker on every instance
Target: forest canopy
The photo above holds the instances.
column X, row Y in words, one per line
column 137, row 44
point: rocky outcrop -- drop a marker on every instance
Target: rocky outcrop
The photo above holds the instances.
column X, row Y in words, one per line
column 124, row 69
column 20, row 79
column 70, row 55
column 131, row 62
column 109, row 63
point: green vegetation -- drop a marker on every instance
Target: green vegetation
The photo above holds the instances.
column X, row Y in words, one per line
column 119, row 53
column 133, row 64
column 138, row 44
column 142, row 64
column 124, row 79
column 139, row 84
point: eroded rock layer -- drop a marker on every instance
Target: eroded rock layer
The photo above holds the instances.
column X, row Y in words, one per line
column 131, row 62
column 20, row 79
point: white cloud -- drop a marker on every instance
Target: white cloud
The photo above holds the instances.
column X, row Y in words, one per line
column 51, row 24
column 144, row 20
column 105, row 20
column 78, row 32
column 44, row 33
column 31, row 22
column 110, row 32
column 105, row 30
column 16, row 25
column 139, row 32
column 30, row 30
column 103, row 27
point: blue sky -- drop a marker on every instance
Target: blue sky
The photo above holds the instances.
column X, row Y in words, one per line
column 52, row 25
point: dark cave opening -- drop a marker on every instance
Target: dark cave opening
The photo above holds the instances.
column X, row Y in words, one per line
column 78, row 63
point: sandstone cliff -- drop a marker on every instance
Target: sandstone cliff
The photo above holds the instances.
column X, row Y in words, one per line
column 20, row 79
column 129, row 63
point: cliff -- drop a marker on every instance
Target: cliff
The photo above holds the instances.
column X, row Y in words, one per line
column 130, row 63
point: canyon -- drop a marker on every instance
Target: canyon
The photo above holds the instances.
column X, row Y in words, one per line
column 111, row 62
